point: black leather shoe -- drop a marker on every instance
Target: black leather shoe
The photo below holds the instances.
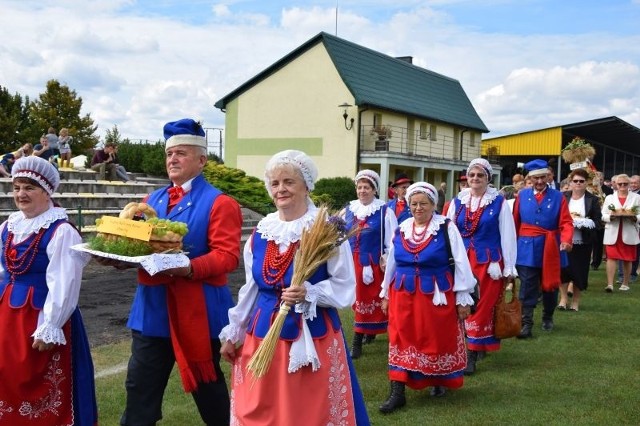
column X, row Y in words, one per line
column 525, row 332
column 438, row 391
column 396, row 399
column 470, row 368
column 547, row 324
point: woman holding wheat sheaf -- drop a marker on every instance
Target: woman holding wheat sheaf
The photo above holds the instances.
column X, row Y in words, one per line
column 311, row 373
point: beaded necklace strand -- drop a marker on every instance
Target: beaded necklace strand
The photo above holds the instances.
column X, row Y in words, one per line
column 419, row 238
column 19, row 265
column 275, row 263
column 471, row 219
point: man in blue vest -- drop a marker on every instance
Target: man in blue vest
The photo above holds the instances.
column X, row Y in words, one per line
column 177, row 315
column 544, row 228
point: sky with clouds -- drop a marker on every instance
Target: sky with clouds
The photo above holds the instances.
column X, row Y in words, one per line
column 525, row 64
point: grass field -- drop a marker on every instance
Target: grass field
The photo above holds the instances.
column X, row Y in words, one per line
column 585, row 372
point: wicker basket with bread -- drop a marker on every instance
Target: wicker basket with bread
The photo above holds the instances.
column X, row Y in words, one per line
column 166, row 235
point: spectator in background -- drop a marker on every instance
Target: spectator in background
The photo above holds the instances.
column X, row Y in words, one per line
column 442, row 194
column 53, row 140
column 528, row 182
column 102, row 162
column 399, row 204
column 5, row 164
column 121, row 172
column 463, row 184
column 64, row 141
column 602, row 190
column 24, row 151
column 391, row 193
column 517, row 181
column 551, row 179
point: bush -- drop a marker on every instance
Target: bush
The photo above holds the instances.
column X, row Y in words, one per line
column 341, row 190
column 249, row 191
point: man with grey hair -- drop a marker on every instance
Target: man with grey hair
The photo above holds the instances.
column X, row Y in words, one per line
column 177, row 315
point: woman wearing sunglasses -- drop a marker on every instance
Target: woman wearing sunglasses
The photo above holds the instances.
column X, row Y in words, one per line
column 587, row 220
column 486, row 225
column 620, row 215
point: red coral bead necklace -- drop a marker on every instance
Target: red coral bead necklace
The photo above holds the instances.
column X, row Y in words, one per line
column 276, row 264
column 471, row 219
column 19, row 265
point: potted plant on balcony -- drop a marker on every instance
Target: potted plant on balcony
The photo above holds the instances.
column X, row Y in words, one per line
column 383, row 131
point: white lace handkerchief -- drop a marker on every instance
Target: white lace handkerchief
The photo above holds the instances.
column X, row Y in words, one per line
column 152, row 263
column 303, row 352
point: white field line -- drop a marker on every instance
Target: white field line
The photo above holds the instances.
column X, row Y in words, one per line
column 118, row 368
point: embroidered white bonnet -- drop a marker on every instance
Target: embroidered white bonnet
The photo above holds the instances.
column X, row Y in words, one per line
column 38, row 169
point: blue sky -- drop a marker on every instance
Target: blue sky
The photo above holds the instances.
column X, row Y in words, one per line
column 525, row 64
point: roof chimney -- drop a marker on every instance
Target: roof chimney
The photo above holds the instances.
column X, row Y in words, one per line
column 406, row 59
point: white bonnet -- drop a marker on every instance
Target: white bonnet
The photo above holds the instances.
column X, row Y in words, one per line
column 483, row 164
column 369, row 175
column 38, row 169
column 422, row 187
column 299, row 160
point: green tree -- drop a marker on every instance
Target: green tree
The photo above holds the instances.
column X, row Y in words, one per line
column 13, row 119
column 60, row 107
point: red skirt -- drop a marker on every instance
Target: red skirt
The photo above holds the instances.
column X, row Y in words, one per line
column 368, row 315
column 620, row 250
column 36, row 386
column 426, row 342
column 290, row 399
column 479, row 326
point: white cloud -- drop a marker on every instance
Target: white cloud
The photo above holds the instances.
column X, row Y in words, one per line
column 139, row 70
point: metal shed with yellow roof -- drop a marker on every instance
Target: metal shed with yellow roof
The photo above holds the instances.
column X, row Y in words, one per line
column 617, row 145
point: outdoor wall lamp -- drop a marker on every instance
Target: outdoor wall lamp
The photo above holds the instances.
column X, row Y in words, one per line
column 346, row 106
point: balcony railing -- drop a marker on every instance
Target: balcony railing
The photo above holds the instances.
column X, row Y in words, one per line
column 399, row 140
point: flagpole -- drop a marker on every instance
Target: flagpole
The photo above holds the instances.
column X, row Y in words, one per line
column 336, row 18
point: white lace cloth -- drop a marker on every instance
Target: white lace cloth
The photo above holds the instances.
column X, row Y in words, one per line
column 583, row 222
column 361, row 211
column 152, row 263
column 64, row 272
column 464, row 281
column 337, row 291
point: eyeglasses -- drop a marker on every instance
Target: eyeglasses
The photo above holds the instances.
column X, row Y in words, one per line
column 578, row 181
column 623, row 183
column 472, row 175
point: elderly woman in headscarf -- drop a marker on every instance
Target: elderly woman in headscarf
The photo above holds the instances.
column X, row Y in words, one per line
column 486, row 225
column 45, row 362
column 374, row 224
column 311, row 375
column 426, row 296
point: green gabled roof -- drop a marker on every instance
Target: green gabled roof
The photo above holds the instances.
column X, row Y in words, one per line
column 381, row 81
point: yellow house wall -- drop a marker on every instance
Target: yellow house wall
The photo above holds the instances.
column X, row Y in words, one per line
column 294, row 108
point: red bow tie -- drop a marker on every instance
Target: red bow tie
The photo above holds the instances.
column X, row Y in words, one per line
column 175, row 193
